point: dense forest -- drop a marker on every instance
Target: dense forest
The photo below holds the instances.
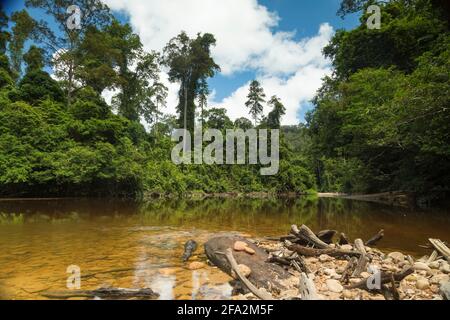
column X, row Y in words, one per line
column 380, row 122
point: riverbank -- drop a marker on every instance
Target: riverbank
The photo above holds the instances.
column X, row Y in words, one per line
column 289, row 269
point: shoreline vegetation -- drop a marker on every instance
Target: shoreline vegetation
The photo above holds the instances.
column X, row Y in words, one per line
column 380, row 122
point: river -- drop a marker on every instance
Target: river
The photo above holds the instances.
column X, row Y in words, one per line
column 129, row 244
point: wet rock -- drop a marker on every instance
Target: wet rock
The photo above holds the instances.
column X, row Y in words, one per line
column 168, row 271
column 249, row 250
column 445, row 291
column 397, row 256
column 196, row 265
column 422, row 284
column 240, row 246
column 334, row 286
column 421, row 266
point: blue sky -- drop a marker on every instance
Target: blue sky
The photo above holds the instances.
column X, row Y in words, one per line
column 275, row 41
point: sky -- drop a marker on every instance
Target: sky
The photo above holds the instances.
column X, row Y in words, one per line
column 277, row 42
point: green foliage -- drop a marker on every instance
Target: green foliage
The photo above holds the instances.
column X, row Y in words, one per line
column 255, row 100
column 382, row 122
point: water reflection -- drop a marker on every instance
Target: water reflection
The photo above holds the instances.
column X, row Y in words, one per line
column 133, row 245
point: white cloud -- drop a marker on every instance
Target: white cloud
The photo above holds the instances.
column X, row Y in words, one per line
column 246, row 40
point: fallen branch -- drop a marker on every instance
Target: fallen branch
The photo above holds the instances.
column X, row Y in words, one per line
column 441, row 248
column 363, row 259
column 117, row 293
column 433, row 257
column 385, row 278
column 343, row 239
column 349, row 269
column 373, row 241
column 306, row 234
column 300, row 264
column 307, row 288
column 310, row 252
column 327, row 235
column 234, row 266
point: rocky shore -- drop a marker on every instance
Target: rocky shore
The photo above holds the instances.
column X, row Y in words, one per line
column 351, row 271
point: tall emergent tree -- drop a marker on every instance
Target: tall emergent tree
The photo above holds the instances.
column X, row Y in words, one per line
column 255, row 100
column 23, row 27
column 64, row 43
column 190, row 63
column 278, row 110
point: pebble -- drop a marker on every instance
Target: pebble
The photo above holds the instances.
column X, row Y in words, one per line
column 445, row 291
column 411, row 278
column 445, row 268
column 422, row 284
column 434, row 265
column 167, row 271
column 196, row 265
column 421, row 266
column 334, row 286
column 347, row 247
column 240, row 246
column 325, row 258
column 347, row 294
column 329, row 272
column 365, row 275
column 250, row 250
column 440, row 279
column 397, row 256
column 246, row 271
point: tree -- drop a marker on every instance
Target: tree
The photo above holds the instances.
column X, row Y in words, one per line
column 34, row 59
column 255, row 97
column 22, row 30
column 37, row 85
column 243, row 123
column 278, row 110
column 190, row 63
column 4, row 34
column 217, row 119
column 64, row 42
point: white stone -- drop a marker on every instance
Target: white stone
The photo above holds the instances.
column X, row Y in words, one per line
column 347, row 247
column 397, row 256
column 421, row 266
column 325, row 258
column 334, row 286
column 422, row 284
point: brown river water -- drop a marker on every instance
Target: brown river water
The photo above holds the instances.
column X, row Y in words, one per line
column 127, row 244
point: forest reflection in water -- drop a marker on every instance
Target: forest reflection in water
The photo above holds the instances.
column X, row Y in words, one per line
column 144, row 240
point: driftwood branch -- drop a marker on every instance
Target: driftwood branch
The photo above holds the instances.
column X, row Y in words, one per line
column 306, row 234
column 349, row 269
column 441, row 248
column 363, row 259
column 234, row 266
column 343, row 239
column 327, row 235
column 385, row 278
column 373, row 241
column 307, row 288
column 310, row 252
